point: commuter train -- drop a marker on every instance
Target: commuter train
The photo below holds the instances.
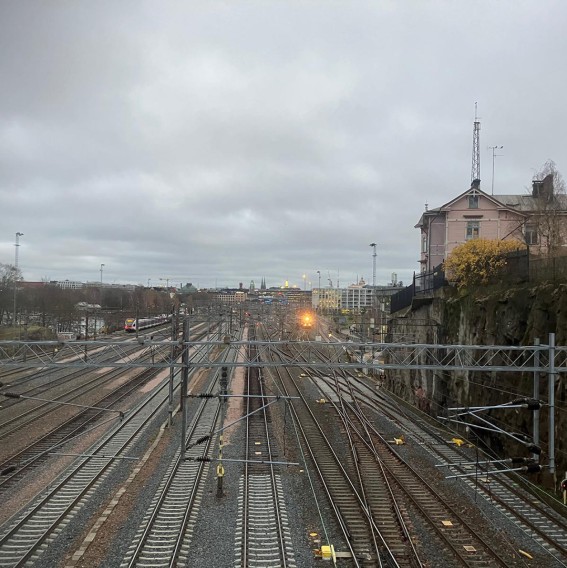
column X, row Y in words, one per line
column 306, row 320
column 143, row 323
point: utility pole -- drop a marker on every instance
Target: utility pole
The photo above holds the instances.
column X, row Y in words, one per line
column 475, row 171
column 373, row 297
column 184, row 379
column 17, row 245
column 494, row 148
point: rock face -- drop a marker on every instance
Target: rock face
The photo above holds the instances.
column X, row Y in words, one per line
column 512, row 315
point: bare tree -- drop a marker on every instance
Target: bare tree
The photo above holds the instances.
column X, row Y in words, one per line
column 9, row 277
column 548, row 222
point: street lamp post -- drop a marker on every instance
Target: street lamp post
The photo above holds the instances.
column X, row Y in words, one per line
column 319, row 290
column 494, row 155
column 17, row 245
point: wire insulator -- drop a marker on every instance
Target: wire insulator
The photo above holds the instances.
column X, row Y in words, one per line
column 534, row 449
column 529, row 403
column 519, row 460
column 12, row 395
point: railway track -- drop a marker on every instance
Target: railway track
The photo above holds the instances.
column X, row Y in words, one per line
column 263, row 537
column 469, row 546
column 165, row 534
column 24, row 538
column 350, row 514
column 546, row 528
column 164, row 537
column 29, row 458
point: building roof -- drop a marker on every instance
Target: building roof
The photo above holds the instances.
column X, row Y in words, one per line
column 522, row 203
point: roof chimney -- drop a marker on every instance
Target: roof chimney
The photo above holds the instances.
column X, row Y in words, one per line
column 475, row 184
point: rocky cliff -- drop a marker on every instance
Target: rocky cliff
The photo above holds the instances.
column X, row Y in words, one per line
column 513, row 315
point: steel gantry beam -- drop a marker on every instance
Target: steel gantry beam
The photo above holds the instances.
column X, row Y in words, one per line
column 305, row 354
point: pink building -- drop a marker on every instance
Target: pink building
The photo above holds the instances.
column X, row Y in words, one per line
column 475, row 214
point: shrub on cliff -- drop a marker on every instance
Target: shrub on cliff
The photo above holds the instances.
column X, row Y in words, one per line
column 478, row 261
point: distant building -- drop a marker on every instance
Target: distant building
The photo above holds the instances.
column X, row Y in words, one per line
column 230, row 296
column 355, row 298
column 68, row 284
column 188, row 289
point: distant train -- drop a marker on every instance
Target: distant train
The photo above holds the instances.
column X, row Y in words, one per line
column 306, row 320
column 143, row 323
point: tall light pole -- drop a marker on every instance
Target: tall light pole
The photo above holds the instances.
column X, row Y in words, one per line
column 319, row 275
column 101, row 267
column 166, row 282
column 494, row 148
column 17, row 245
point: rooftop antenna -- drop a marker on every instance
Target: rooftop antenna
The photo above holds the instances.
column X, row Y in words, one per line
column 373, row 245
column 494, row 148
column 475, row 172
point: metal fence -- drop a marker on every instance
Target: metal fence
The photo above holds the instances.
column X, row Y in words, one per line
column 423, row 285
column 521, row 266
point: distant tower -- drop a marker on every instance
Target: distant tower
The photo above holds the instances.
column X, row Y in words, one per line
column 373, row 245
column 252, row 287
column 475, row 172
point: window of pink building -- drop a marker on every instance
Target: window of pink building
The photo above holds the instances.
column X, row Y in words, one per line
column 473, row 230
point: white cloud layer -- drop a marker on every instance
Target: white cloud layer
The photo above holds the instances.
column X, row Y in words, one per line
column 223, row 142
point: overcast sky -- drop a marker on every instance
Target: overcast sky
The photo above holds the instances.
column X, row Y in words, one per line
column 223, row 142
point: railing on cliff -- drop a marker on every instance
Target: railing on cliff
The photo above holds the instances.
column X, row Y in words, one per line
column 423, row 285
column 521, row 266
column 524, row 266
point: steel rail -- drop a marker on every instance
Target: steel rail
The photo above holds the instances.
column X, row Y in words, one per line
column 261, row 498
column 547, row 528
column 24, row 536
column 407, row 553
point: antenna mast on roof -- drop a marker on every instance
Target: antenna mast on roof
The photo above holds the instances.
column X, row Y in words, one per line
column 475, row 172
